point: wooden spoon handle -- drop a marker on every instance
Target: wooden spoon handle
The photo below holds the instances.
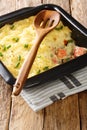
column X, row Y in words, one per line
column 26, row 67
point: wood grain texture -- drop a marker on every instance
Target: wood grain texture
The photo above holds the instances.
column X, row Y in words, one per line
column 79, row 12
column 62, row 3
column 5, row 90
column 5, row 104
column 63, row 115
column 6, row 6
column 23, row 118
column 83, row 110
column 27, row 3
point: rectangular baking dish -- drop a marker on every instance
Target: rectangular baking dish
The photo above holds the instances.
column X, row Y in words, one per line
column 79, row 34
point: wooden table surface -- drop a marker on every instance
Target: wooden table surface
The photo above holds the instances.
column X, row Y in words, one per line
column 68, row 114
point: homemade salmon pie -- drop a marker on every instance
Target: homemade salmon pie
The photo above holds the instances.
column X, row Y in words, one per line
column 17, row 39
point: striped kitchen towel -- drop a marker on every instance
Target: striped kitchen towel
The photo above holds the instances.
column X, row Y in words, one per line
column 40, row 96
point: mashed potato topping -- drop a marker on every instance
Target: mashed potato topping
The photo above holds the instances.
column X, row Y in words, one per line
column 17, row 39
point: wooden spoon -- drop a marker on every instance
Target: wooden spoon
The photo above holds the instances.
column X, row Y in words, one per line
column 44, row 22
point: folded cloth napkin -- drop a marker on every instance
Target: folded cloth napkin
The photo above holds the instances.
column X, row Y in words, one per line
column 40, row 96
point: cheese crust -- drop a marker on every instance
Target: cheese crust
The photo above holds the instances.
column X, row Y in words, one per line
column 17, row 39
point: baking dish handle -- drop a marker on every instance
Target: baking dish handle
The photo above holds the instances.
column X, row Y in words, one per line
column 7, row 76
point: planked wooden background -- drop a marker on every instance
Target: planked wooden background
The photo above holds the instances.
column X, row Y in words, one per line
column 69, row 114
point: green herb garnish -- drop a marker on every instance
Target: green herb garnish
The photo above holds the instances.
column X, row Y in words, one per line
column 51, row 55
column 18, row 61
column 25, row 45
column 46, row 68
column 15, row 39
column 39, row 56
column 1, row 54
column 12, row 26
column 19, row 58
column 59, row 28
column 8, row 46
column 70, row 41
column 39, row 71
column 66, row 60
column 4, row 47
column 17, row 65
column 0, row 30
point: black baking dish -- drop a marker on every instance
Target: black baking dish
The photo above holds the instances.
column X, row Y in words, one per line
column 79, row 34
